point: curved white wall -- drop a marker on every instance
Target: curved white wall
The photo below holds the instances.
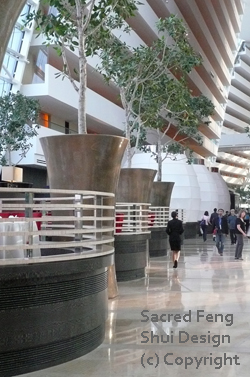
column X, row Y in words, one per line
column 208, row 189
column 186, row 191
column 223, row 192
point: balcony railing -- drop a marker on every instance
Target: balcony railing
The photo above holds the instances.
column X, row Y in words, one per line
column 159, row 216
column 57, row 127
column 132, row 218
column 139, row 218
column 54, row 223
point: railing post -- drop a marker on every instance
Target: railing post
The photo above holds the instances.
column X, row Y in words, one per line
column 29, row 197
column 78, row 222
column 43, row 226
column 98, row 200
column 134, row 218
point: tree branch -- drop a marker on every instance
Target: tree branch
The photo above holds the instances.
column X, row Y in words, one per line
column 101, row 23
column 68, row 73
column 70, row 8
column 88, row 18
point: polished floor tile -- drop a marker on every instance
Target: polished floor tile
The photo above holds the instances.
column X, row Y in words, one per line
column 191, row 321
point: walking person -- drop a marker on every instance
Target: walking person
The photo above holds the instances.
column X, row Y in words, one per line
column 241, row 232
column 247, row 221
column 220, row 224
column 174, row 230
column 212, row 219
column 232, row 226
column 204, row 224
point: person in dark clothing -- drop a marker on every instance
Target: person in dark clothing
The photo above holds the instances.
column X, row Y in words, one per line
column 204, row 224
column 247, row 220
column 220, row 224
column 174, row 230
column 213, row 215
column 232, row 226
column 241, row 232
column 212, row 218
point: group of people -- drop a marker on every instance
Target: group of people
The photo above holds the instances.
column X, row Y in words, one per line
column 224, row 224
column 221, row 224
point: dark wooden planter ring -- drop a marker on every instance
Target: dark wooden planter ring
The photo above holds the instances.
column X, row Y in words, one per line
column 158, row 242
column 191, row 230
column 131, row 248
column 131, row 256
column 51, row 312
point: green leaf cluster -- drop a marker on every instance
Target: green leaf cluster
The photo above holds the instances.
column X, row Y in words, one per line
column 18, row 117
column 244, row 193
column 82, row 25
column 97, row 18
column 153, row 82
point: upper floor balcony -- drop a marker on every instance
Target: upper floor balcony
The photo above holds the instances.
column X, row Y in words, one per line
column 58, row 97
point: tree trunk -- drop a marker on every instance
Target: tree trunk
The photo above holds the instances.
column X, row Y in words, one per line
column 128, row 136
column 159, row 159
column 82, row 124
column 9, row 156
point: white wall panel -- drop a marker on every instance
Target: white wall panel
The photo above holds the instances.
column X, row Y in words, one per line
column 186, row 191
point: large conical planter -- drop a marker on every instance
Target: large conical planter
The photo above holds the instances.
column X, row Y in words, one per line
column 59, row 308
column 84, row 162
column 186, row 191
column 160, row 197
column 131, row 251
column 9, row 13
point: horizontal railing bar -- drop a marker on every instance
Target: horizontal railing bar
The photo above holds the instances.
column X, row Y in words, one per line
column 56, row 245
column 106, row 250
column 58, row 191
column 131, row 204
column 53, row 218
column 48, row 232
column 58, row 207
column 125, row 233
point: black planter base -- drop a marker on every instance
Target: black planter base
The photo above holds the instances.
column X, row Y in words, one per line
column 51, row 312
column 131, row 253
column 158, row 242
column 190, row 230
column 45, row 356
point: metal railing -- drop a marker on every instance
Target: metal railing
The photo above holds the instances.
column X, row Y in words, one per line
column 159, row 216
column 132, row 218
column 54, row 223
column 182, row 214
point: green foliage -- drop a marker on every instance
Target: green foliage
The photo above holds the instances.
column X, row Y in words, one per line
column 153, row 83
column 98, row 19
column 18, row 115
column 244, row 193
column 82, row 25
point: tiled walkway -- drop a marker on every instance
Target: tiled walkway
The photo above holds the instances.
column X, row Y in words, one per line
column 203, row 281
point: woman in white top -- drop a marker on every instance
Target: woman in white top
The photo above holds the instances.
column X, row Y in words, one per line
column 204, row 224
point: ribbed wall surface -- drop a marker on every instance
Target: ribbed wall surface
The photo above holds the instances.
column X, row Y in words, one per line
column 51, row 312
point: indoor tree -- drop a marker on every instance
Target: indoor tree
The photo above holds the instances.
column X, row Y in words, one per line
column 84, row 26
column 152, row 81
column 18, row 117
column 244, row 192
column 177, row 122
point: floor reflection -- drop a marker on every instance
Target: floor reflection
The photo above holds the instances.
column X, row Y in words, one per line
column 203, row 281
